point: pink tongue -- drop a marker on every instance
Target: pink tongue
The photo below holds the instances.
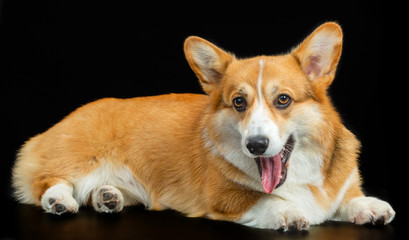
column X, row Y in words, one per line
column 271, row 172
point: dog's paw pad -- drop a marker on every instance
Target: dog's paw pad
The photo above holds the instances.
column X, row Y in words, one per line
column 108, row 199
column 51, row 201
column 59, row 206
column 58, row 201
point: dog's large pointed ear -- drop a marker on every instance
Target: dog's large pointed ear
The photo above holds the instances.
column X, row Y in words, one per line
column 207, row 61
column 319, row 53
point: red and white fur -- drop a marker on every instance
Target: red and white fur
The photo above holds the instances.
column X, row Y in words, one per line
column 198, row 154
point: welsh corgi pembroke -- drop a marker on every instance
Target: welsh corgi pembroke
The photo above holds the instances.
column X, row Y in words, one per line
column 264, row 147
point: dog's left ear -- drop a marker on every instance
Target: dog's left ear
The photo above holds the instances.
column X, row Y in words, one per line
column 207, row 61
column 319, row 53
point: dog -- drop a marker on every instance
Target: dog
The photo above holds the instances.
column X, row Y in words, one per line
column 264, row 147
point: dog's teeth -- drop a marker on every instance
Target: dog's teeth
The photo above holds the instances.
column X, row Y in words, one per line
column 281, row 176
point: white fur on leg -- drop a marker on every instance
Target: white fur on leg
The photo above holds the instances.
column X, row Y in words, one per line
column 363, row 210
column 58, row 200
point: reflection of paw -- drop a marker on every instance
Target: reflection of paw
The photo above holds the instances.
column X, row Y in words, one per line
column 363, row 210
column 107, row 199
column 58, row 200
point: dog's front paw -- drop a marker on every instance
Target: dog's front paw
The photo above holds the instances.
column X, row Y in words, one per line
column 291, row 220
column 362, row 210
column 269, row 214
column 296, row 220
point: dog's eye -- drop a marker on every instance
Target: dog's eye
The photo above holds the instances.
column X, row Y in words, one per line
column 239, row 103
column 283, row 101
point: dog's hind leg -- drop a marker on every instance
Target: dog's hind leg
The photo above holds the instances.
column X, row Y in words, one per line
column 56, row 195
column 107, row 199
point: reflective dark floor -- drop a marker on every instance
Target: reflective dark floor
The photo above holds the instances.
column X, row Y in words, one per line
column 29, row 222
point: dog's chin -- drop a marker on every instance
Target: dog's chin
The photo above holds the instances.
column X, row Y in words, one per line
column 273, row 169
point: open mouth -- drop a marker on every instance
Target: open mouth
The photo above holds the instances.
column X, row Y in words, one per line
column 273, row 170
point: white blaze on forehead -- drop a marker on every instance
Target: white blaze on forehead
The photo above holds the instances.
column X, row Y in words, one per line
column 260, row 122
column 260, row 80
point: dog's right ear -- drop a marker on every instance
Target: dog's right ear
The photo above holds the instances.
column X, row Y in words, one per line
column 207, row 61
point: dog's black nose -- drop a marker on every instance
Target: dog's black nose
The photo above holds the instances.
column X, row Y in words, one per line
column 257, row 145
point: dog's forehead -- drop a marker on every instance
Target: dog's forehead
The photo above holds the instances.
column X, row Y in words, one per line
column 279, row 71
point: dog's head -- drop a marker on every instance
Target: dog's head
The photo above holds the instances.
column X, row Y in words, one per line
column 264, row 106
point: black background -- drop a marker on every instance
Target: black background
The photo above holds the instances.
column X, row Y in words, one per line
column 59, row 55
